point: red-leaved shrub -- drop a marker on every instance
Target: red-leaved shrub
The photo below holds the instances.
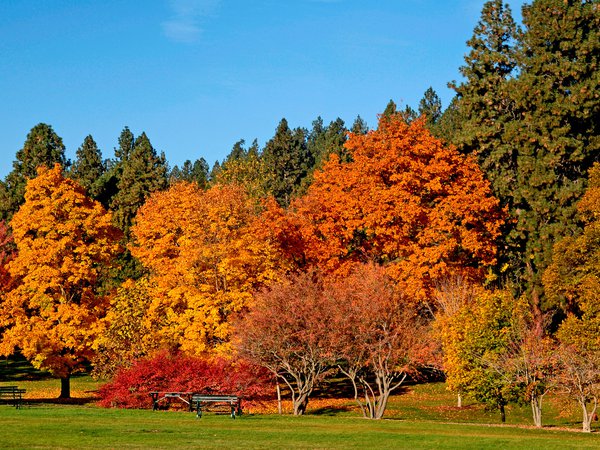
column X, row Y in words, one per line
column 130, row 388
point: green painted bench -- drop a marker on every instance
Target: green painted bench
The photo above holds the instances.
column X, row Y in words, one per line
column 231, row 401
column 12, row 395
column 198, row 402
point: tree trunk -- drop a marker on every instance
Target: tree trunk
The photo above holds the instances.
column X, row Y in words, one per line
column 279, row 408
column 351, row 374
column 381, row 403
column 536, row 409
column 65, row 387
column 538, row 318
column 588, row 416
column 300, row 404
column 502, row 413
column 459, row 400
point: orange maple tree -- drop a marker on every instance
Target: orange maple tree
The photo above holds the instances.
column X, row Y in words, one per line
column 65, row 241
column 204, row 260
column 406, row 201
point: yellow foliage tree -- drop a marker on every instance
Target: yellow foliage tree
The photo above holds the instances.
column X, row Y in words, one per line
column 573, row 278
column 126, row 335
column 473, row 337
column 65, row 242
column 204, row 259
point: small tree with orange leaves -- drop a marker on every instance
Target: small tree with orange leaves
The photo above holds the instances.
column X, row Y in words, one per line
column 376, row 334
column 288, row 331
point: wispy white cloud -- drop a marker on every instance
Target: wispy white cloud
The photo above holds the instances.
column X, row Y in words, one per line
column 187, row 15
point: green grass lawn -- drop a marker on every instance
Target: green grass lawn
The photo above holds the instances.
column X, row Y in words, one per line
column 59, row 426
column 420, row 416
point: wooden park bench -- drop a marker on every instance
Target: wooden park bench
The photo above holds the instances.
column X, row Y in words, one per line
column 198, row 402
column 12, row 395
column 231, row 401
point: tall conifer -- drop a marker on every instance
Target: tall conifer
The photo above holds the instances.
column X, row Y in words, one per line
column 431, row 107
column 88, row 167
column 287, row 161
column 43, row 147
column 483, row 102
column 141, row 173
column 557, row 131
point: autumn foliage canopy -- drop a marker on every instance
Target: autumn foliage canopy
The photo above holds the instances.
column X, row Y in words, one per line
column 405, row 201
column 65, row 244
column 204, row 263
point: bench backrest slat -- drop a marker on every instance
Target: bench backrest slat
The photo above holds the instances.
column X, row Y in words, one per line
column 214, row 398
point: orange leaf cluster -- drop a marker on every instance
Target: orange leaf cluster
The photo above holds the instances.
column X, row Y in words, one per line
column 205, row 261
column 405, row 201
column 64, row 240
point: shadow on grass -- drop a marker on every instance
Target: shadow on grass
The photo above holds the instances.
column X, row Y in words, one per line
column 17, row 368
column 329, row 411
column 79, row 401
column 341, row 387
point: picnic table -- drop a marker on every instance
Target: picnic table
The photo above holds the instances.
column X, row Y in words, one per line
column 198, row 402
column 12, row 395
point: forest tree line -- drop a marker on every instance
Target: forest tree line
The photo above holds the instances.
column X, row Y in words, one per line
column 442, row 220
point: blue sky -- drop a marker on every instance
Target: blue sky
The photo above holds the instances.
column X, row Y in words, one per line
column 198, row 75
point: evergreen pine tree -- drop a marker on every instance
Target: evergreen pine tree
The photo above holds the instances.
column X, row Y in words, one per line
column 126, row 143
column 322, row 141
column 214, row 172
column 175, row 175
column 43, row 147
column 409, row 114
column 245, row 167
column 88, row 167
column 108, row 182
column 238, row 151
column 359, row 126
column 557, row 133
column 431, row 107
column 191, row 172
column 483, row 101
column 390, row 109
column 141, row 173
column 315, row 138
column 287, row 161
column 199, row 173
column 449, row 122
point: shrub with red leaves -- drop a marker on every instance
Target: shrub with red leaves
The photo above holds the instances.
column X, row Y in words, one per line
column 130, row 388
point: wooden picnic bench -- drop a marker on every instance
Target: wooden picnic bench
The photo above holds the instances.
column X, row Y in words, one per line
column 12, row 395
column 198, row 402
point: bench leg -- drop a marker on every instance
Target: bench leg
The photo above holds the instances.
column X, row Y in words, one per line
column 154, row 402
